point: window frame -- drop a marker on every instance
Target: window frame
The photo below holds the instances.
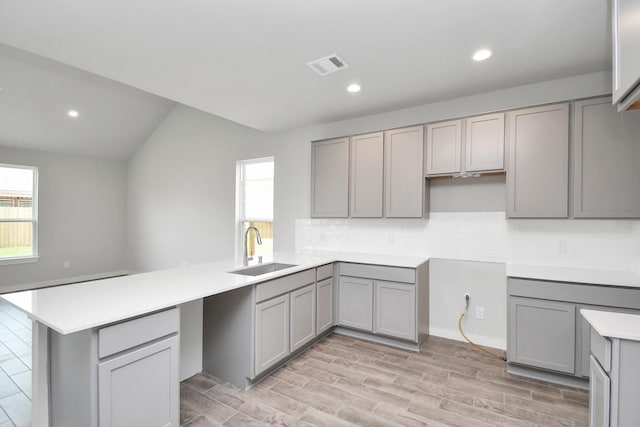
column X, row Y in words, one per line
column 240, row 208
column 34, row 257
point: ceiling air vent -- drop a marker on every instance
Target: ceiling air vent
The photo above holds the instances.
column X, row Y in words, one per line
column 327, row 65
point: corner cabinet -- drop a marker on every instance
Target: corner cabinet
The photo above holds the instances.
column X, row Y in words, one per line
column 404, row 183
column 330, row 178
column 123, row 374
column 383, row 303
column 626, row 61
column 606, row 155
column 538, row 168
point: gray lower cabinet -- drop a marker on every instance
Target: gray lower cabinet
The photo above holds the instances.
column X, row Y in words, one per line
column 606, row 153
column 125, row 374
column 387, row 304
column 542, row 334
column 140, row 388
column 330, row 178
column 271, row 332
column 395, row 310
column 355, row 307
column 615, row 382
column 251, row 330
column 599, row 395
column 324, row 305
column 547, row 338
column 303, row 316
column 538, row 167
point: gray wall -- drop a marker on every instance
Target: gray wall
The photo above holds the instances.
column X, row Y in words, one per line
column 81, row 219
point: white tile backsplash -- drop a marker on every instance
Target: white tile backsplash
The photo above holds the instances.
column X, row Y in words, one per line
column 483, row 236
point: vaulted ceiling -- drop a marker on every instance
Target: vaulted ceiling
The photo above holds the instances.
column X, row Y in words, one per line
column 245, row 60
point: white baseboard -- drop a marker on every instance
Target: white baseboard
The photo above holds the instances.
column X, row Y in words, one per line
column 454, row 334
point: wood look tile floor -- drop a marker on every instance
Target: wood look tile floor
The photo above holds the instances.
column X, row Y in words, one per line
column 341, row 381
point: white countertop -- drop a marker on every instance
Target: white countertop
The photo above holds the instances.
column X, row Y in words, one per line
column 81, row 306
column 614, row 325
column 575, row 275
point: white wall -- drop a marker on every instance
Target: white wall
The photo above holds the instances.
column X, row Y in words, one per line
column 81, row 219
column 473, row 236
column 182, row 189
column 181, row 204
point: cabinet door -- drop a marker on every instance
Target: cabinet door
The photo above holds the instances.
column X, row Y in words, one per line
column 444, row 145
column 626, row 61
column 484, row 143
column 141, row 387
column 355, row 305
column 324, row 305
column 403, row 172
column 271, row 332
column 605, row 158
column 365, row 199
column 541, row 333
column 599, row 395
column 330, row 178
column 395, row 310
column 538, row 169
column 303, row 316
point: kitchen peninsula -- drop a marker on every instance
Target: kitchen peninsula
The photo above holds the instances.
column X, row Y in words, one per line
column 91, row 337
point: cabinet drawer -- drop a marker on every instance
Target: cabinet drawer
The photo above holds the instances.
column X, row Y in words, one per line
column 324, row 271
column 601, row 349
column 282, row 285
column 129, row 334
column 379, row 272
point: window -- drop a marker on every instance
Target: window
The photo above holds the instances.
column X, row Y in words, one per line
column 18, row 214
column 254, row 198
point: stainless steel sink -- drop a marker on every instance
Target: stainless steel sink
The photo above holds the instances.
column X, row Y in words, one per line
column 262, row 269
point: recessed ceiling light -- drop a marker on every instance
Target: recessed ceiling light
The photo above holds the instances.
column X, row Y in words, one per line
column 481, row 55
column 354, row 87
column 73, row 113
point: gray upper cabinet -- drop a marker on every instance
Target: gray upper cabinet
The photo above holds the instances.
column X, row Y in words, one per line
column 330, row 178
column 404, row 185
column 606, row 155
column 626, row 61
column 444, row 146
column 484, row 143
column 475, row 144
column 367, row 152
column 538, row 168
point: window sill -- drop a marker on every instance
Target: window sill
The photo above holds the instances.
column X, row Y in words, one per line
column 19, row 260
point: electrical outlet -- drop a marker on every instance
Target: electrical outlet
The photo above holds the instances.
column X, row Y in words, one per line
column 561, row 246
column 480, row 313
column 67, row 264
column 184, row 264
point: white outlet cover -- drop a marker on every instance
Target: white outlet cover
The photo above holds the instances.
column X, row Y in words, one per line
column 480, row 313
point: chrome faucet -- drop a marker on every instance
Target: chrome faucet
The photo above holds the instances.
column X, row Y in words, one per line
column 246, row 242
